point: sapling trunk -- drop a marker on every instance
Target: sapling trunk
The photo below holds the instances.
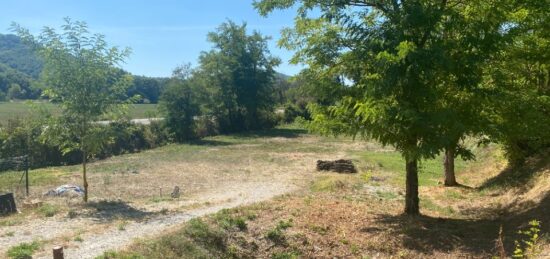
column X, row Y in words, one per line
column 85, row 180
column 411, row 195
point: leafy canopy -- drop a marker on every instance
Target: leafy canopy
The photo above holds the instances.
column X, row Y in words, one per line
column 80, row 72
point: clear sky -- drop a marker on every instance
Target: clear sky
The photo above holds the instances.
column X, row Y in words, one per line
column 161, row 33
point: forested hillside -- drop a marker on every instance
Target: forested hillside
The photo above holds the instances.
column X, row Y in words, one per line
column 20, row 69
column 19, row 56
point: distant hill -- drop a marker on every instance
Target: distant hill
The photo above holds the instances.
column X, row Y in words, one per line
column 20, row 68
column 19, row 56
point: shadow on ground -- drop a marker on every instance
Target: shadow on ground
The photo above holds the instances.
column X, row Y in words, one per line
column 273, row 133
column 114, row 210
column 519, row 175
column 477, row 232
column 269, row 133
column 210, row 143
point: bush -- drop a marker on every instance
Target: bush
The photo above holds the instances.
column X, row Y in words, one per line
column 206, row 126
column 293, row 111
column 21, row 137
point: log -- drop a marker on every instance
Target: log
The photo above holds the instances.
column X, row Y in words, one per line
column 339, row 166
column 7, row 204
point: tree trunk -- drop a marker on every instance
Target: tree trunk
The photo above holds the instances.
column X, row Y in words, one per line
column 411, row 196
column 449, row 164
column 84, row 176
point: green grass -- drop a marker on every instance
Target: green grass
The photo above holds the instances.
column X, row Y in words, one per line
column 12, row 110
column 430, row 171
column 23, row 250
column 277, row 234
column 10, row 180
column 427, row 204
column 227, row 221
column 48, row 210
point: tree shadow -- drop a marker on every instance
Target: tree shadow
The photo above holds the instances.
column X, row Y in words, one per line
column 475, row 233
column 519, row 175
column 273, row 133
column 460, row 186
column 209, row 142
column 114, row 210
column 427, row 234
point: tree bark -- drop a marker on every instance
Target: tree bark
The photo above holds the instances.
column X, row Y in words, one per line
column 449, row 164
column 84, row 178
column 411, row 195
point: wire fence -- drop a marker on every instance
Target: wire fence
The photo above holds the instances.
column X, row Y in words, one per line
column 14, row 174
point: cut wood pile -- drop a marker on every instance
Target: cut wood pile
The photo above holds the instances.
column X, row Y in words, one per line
column 339, row 166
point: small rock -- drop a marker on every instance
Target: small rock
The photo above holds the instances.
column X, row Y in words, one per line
column 175, row 193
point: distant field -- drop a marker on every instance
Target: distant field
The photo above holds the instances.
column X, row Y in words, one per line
column 21, row 109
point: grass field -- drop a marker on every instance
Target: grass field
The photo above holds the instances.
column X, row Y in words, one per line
column 10, row 110
column 327, row 215
column 360, row 216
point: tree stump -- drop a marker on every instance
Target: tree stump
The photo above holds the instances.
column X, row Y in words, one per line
column 339, row 166
column 58, row 252
column 7, row 204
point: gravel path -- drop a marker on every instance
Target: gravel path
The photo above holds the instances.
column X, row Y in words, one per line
column 102, row 237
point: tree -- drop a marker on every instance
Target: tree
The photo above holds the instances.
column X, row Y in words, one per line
column 80, row 72
column 15, row 92
column 239, row 69
column 180, row 103
column 392, row 63
column 522, row 70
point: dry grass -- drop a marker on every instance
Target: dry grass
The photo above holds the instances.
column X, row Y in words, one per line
column 332, row 215
column 360, row 216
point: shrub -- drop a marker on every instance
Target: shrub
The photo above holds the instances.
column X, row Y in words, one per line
column 293, row 111
column 24, row 137
column 206, row 126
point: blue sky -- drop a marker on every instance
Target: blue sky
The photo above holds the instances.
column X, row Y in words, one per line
column 162, row 33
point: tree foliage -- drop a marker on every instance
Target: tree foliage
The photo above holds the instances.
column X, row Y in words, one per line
column 180, row 104
column 80, row 72
column 239, row 71
column 521, row 114
column 406, row 73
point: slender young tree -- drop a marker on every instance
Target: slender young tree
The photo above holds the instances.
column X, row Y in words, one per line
column 395, row 61
column 80, row 73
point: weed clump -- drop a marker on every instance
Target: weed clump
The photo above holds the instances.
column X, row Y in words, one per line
column 276, row 234
column 48, row 210
column 23, row 250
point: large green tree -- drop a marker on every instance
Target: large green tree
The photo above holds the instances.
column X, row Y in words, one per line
column 240, row 71
column 400, row 67
column 80, row 73
column 522, row 71
column 181, row 103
